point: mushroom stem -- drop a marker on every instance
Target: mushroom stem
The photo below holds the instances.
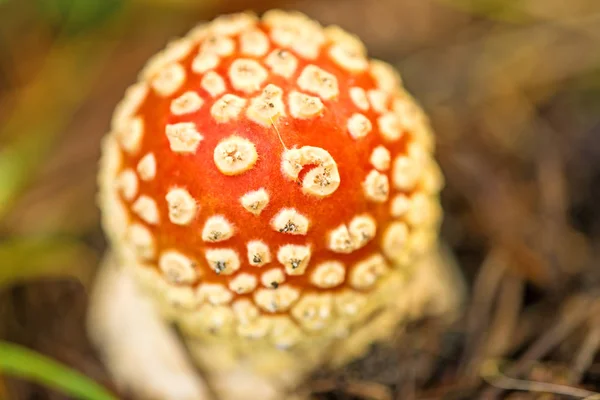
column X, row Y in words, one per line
column 244, row 384
column 146, row 359
column 436, row 289
column 267, row 373
column 141, row 352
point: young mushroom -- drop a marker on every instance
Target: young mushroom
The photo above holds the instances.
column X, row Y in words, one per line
column 274, row 191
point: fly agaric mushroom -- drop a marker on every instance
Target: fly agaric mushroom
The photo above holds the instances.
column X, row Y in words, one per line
column 274, row 191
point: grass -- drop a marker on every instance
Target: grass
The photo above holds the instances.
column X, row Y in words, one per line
column 23, row 363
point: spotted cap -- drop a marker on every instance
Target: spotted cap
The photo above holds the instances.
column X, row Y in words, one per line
column 267, row 181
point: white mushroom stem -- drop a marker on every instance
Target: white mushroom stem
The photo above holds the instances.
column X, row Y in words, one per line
column 242, row 384
column 147, row 359
column 436, row 289
column 141, row 352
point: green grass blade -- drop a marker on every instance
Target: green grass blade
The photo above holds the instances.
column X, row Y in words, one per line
column 23, row 363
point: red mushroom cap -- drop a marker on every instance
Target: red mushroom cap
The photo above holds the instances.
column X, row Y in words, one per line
column 268, row 178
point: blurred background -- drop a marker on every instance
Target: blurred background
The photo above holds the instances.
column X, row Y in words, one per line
column 513, row 91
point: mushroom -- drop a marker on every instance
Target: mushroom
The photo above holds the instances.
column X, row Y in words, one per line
column 273, row 191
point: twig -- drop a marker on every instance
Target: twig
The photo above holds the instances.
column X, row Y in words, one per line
column 573, row 316
column 490, row 372
column 504, row 324
column 585, row 355
column 484, row 292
